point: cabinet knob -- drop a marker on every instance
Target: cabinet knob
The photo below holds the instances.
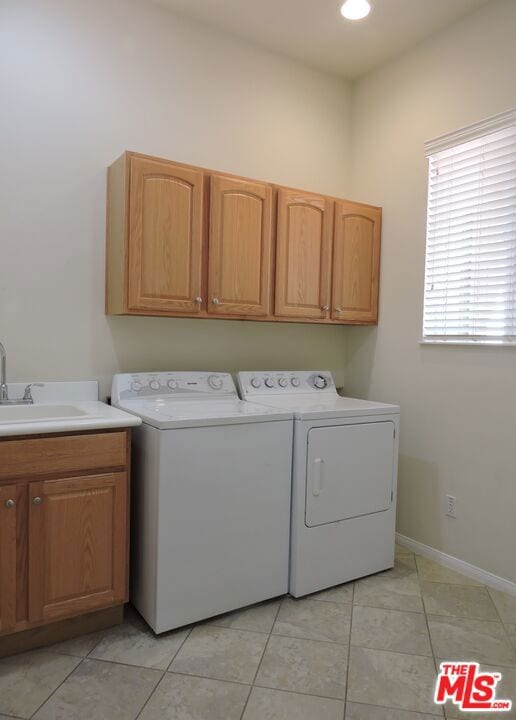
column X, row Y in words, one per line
column 37, row 501
column 215, row 301
column 325, row 307
column 9, row 504
column 338, row 309
column 198, row 300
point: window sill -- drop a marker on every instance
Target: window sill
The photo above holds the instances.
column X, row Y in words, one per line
column 470, row 343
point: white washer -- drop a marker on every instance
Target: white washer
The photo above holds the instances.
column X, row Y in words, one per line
column 343, row 481
column 210, row 496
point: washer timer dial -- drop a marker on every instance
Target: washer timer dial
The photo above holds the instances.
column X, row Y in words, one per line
column 215, row 382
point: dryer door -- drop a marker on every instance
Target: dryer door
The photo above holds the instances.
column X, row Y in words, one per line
column 349, row 471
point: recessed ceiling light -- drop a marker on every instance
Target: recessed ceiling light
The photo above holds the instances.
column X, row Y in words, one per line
column 355, row 9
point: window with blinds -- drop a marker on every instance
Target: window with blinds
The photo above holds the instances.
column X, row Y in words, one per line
column 470, row 275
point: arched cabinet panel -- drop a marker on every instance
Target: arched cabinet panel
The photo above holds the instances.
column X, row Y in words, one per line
column 240, row 247
column 165, row 237
column 303, row 255
column 356, row 262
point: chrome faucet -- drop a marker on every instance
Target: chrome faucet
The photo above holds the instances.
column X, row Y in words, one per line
column 3, row 374
column 27, row 398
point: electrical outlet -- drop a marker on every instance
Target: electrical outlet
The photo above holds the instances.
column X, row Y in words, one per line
column 451, row 506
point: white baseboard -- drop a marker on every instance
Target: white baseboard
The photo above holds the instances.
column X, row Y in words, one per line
column 460, row 566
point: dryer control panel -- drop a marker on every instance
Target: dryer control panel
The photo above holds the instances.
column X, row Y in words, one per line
column 285, row 382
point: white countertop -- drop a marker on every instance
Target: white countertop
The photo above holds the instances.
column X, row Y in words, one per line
column 61, row 407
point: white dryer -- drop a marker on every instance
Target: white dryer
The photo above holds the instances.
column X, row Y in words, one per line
column 210, row 496
column 344, row 477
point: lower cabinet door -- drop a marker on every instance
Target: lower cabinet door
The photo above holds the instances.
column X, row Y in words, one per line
column 8, row 495
column 77, row 545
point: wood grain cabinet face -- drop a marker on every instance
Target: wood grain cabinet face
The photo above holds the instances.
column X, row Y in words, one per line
column 77, row 545
column 239, row 265
column 356, row 262
column 303, row 255
column 165, row 236
column 8, row 496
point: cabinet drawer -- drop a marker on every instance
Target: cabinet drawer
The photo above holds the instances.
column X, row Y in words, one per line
column 62, row 454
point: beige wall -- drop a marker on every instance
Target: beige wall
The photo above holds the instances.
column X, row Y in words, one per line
column 80, row 82
column 458, row 404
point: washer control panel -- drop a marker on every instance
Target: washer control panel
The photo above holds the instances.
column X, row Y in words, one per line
column 283, row 382
column 167, row 384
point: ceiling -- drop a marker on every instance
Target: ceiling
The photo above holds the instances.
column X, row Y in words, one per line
column 314, row 32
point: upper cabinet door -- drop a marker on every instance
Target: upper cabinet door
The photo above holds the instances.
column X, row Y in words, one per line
column 356, row 262
column 165, row 237
column 240, row 247
column 303, row 255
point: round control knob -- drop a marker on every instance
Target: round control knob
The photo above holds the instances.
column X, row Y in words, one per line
column 282, row 382
column 172, row 384
column 215, row 382
column 136, row 386
column 154, row 385
column 295, row 382
column 320, row 382
column 269, row 382
column 256, row 382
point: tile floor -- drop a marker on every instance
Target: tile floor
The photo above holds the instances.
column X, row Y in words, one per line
column 363, row 651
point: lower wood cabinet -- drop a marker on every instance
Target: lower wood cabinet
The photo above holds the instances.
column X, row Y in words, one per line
column 7, row 558
column 63, row 539
column 77, row 545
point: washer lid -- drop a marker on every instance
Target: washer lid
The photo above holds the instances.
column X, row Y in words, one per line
column 167, row 413
column 323, row 407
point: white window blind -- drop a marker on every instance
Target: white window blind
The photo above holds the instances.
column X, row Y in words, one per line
column 470, row 276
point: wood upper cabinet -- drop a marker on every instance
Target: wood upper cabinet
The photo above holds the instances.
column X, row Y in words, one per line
column 356, row 262
column 165, row 236
column 8, row 511
column 191, row 242
column 303, row 254
column 155, row 237
column 240, row 247
column 77, row 545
